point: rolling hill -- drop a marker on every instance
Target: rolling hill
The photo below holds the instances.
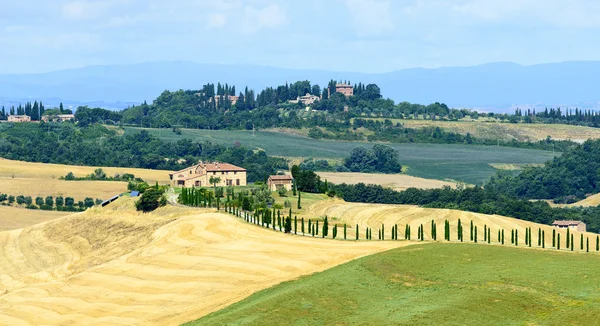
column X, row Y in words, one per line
column 494, row 86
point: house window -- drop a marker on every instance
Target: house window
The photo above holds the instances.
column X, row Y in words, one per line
column 237, row 182
column 214, row 173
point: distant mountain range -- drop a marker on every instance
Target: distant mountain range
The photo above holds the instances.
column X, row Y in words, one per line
column 493, row 87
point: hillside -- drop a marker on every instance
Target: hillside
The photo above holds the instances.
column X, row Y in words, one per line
column 116, row 266
column 509, row 131
column 564, row 84
column 436, row 284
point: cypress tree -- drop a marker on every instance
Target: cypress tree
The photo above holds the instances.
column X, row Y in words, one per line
column 433, row 229
column 488, row 236
column 344, row 231
column 558, row 241
column 396, row 232
column 378, row 234
column 309, row 226
column 572, row 242
column 317, row 228
column 422, row 233
column 502, row 236
column 356, row 231
column 406, row 232
column 516, row 237
column 543, row 239
column 459, row 231
column 581, row 242
column 471, row 230
column 325, row 228
column 382, row 231
column 288, row 225
column 334, row 231
column 498, row 236
column 485, row 232
column 539, row 237
column 475, row 234
column 299, row 195
column 409, row 232
column 587, row 244
column 568, row 238
column 597, row 243
column 530, row 237
column 302, row 225
column 295, row 225
column 553, row 238
column 512, row 236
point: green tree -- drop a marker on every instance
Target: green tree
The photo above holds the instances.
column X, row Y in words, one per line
column 69, row 201
column 568, row 238
column 475, row 234
column 60, row 201
column 325, row 227
column 88, row 202
column 553, row 238
column 587, row 244
column 295, row 225
column 471, row 230
column 213, row 181
column 581, row 242
column 558, row 241
column 344, row 231
column 49, row 201
column 299, row 196
column 597, row 243
column 150, row 200
column 39, row 201
column 288, row 225
column 357, row 233
column 334, row 231
column 543, row 239
column 302, row 225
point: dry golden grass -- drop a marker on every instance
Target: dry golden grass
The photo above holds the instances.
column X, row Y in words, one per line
column 116, row 266
column 79, row 190
column 374, row 215
column 18, row 169
column 394, row 181
column 12, row 218
column 509, row 131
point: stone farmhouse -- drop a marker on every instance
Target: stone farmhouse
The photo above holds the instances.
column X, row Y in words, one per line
column 347, row 90
column 58, row 117
column 232, row 99
column 307, row 99
column 19, row 118
column 200, row 174
column 280, row 181
column 574, row 225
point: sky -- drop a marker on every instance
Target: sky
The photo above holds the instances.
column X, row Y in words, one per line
column 343, row 35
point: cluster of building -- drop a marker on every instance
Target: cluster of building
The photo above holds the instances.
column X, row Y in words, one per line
column 308, row 99
column 45, row 118
column 221, row 175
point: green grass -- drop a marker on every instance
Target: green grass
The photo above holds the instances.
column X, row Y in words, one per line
column 466, row 163
column 435, row 284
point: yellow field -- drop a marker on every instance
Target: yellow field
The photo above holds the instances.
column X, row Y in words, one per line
column 12, row 218
column 373, row 215
column 116, row 266
column 79, row 190
column 509, row 131
column 19, row 169
column 394, row 181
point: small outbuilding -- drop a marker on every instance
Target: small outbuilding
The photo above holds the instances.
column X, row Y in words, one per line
column 574, row 225
column 280, row 181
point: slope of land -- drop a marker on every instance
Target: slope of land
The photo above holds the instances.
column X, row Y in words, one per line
column 19, row 169
column 12, row 218
column 117, row 266
column 374, row 215
column 395, row 181
column 79, row 190
column 466, row 163
column 509, row 131
column 436, row 284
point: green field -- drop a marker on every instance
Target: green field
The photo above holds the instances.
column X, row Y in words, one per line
column 466, row 163
column 435, row 284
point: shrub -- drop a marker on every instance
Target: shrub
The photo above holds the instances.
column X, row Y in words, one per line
column 60, row 201
column 150, row 200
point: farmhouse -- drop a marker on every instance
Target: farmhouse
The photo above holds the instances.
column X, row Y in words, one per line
column 232, row 99
column 200, row 174
column 307, row 99
column 575, row 225
column 280, row 181
column 19, row 118
column 58, row 117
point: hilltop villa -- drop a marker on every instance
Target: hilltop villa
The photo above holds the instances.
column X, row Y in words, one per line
column 280, row 181
column 200, row 174
column 307, row 99
column 347, row 90
column 574, row 225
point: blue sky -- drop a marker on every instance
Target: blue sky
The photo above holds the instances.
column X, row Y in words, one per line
column 344, row 35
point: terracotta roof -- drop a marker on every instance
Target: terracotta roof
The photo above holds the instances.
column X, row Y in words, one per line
column 280, row 177
column 566, row 223
column 215, row 167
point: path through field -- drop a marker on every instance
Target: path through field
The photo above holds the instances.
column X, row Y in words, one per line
column 118, row 267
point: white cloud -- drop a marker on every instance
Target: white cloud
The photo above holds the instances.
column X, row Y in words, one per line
column 268, row 17
column 370, row 17
column 216, row 20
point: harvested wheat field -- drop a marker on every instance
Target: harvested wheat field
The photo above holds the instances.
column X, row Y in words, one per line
column 374, row 215
column 12, row 218
column 394, row 181
column 119, row 267
column 19, row 169
column 79, row 190
column 509, row 131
